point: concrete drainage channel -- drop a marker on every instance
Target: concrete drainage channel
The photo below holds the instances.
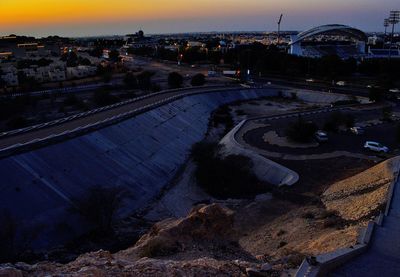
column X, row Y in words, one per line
column 140, row 150
column 139, row 153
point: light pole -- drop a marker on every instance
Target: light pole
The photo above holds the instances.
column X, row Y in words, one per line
column 394, row 18
column 385, row 24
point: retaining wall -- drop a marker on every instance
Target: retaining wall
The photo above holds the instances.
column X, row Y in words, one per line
column 141, row 154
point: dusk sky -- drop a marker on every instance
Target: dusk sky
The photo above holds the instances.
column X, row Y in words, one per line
column 105, row 17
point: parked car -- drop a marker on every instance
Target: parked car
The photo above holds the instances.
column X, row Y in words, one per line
column 341, row 83
column 321, row 136
column 376, row 146
column 357, row 130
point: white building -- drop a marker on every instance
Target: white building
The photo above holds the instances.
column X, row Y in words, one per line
column 10, row 75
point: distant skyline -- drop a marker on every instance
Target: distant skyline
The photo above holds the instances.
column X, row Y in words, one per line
column 77, row 18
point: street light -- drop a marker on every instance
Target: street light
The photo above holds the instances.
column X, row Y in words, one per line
column 386, row 24
column 393, row 19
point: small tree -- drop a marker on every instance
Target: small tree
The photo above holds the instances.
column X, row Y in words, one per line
column 375, row 94
column 103, row 97
column 99, row 206
column 144, row 80
column 387, row 113
column 130, row 80
column 398, row 133
column 198, row 80
column 175, row 80
column 114, row 55
column 8, row 233
column 301, row 131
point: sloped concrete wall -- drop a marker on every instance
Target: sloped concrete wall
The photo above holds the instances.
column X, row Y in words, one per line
column 141, row 154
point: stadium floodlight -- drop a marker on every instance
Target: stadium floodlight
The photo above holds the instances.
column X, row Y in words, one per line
column 394, row 18
column 385, row 24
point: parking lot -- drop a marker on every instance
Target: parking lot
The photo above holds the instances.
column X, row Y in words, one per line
column 344, row 140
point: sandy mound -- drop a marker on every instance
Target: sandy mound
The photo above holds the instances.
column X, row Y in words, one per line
column 362, row 196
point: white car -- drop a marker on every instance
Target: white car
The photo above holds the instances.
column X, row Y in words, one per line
column 375, row 146
column 321, row 136
column 341, row 83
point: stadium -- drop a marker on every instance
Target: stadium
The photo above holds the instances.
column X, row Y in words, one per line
column 341, row 40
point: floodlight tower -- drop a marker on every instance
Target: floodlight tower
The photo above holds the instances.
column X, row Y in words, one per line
column 386, row 24
column 279, row 28
column 394, row 18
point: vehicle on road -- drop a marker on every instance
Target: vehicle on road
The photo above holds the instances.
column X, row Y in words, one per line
column 341, row 83
column 310, row 80
column 357, row 130
column 321, row 136
column 376, row 147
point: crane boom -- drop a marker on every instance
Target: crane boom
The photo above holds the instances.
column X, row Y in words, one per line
column 280, row 19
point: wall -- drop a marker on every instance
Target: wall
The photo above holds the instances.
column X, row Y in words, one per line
column 141, row 154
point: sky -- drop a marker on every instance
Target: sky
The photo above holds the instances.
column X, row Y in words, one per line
column 107, row 17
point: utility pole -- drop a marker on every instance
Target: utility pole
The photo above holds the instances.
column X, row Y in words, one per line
column 279, row 29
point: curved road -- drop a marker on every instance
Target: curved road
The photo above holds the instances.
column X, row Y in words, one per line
column 152, row 100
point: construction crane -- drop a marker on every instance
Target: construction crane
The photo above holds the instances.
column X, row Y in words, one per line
column 279, row 29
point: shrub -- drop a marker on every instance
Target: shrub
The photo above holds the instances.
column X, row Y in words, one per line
column 301, row 131
column 99, row 206
column 144, row 79
column 338, row 119
column 131, row 81
column 387, row 113
column 282, row 244
column 8, row 233
column 71, row 100
column 331, row 222
column 17, row 122
column 175, row 80
column 103, row 97
column 224, row 177
column 280, row 233
column 308, row 215
column 222, row 116
column 198, row 80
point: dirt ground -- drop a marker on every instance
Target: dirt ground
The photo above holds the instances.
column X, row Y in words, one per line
column 342, row 195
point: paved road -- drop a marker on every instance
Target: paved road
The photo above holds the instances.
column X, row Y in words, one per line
column 93, row 118
column 383, row 257
column 342, row 141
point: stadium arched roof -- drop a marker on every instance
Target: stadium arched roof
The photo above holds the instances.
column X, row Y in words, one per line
column 334, row 29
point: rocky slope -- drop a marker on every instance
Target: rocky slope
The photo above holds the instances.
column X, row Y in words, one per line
column 202, row 244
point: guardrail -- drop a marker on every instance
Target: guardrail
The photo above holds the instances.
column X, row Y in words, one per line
column 321, row 265
column 23, row 147
column 109, row 107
